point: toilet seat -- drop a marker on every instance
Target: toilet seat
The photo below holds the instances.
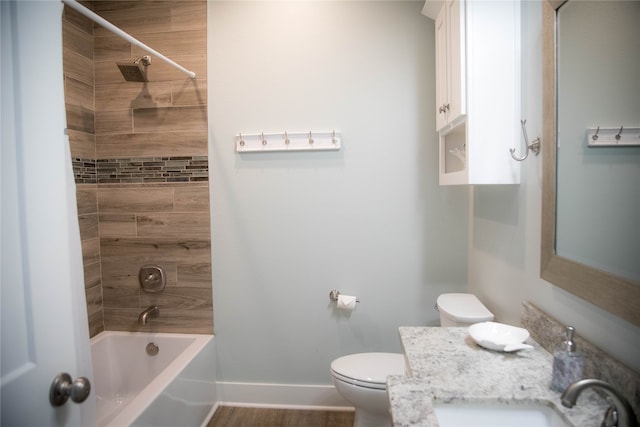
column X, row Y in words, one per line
column 369, row 370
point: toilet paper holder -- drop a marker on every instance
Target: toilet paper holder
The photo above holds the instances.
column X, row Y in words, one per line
column 334, row 294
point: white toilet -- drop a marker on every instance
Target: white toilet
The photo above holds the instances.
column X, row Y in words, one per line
column 361, row 378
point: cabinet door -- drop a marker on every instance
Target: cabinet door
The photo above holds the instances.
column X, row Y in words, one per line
column 442, row 85
column 456, row 105
column 450, row 61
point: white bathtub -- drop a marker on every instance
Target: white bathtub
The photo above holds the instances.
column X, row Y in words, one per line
column 176, row 387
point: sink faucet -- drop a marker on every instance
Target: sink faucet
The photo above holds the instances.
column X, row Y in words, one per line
column 151, row 311
column 619, row 414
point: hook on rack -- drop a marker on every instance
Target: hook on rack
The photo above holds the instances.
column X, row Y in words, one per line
column 619, row 134
column 530, row 146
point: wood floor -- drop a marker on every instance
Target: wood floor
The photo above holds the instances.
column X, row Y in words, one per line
column 230, row 416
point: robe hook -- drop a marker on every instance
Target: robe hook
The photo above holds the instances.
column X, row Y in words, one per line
column 619, row 134
column 529, row 146
column 595, row 135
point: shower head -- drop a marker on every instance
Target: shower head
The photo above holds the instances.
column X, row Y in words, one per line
column 135, row 71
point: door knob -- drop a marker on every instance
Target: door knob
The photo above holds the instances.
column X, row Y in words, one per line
column 62, row 389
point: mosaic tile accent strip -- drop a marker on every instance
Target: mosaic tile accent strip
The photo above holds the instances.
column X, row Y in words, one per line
column 141, row 170
column 84, row 171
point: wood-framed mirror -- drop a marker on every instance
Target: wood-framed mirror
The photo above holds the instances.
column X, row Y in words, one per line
column 616, row 294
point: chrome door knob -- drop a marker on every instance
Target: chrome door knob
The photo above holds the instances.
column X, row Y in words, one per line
column 62, row 389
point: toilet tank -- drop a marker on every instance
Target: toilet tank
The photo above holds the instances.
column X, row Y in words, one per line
column 462, row 310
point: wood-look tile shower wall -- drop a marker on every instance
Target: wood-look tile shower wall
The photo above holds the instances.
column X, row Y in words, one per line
column 150, row 195
column 79, row 101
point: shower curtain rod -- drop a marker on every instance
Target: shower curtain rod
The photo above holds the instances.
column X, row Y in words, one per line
column 109, row 26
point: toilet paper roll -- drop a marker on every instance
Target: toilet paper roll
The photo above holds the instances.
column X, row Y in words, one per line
column 346, row 302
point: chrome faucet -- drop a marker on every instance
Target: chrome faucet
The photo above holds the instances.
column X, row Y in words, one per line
column 151, row 311
column 619, row 414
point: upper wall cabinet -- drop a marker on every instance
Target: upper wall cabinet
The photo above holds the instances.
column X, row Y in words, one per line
column 477, row 89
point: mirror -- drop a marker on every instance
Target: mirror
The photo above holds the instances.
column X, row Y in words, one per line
column 598, row 186
column 617, row 293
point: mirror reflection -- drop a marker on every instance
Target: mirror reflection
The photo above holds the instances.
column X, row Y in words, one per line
column 598, row 84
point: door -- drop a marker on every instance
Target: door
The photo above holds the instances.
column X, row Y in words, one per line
column 43, row 312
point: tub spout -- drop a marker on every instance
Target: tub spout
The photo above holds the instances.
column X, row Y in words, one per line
column 620, row 414
column 151, row 311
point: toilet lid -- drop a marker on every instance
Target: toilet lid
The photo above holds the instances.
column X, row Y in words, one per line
column 368, row 369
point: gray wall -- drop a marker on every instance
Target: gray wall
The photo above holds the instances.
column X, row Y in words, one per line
column 368, row 220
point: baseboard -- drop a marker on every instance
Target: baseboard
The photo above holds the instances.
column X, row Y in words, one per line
column 210, row 414
column 290, row 396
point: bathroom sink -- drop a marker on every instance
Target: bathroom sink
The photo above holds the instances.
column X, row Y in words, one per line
column 497, row 415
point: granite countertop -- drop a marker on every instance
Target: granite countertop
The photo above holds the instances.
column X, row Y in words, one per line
column 445, row 365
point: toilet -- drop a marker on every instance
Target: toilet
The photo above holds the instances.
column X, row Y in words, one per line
column 361, row 378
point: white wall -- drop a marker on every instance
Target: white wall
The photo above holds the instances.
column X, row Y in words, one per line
column 368, row 220
column 504, row 233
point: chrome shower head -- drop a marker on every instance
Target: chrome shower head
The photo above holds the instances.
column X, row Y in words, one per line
column 136, row 71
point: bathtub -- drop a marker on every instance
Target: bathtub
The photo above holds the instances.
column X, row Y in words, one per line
column 132, row 388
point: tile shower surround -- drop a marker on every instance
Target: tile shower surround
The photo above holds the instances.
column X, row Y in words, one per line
column 139, row 153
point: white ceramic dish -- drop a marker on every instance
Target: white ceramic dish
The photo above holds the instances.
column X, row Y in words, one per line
column 499, row 337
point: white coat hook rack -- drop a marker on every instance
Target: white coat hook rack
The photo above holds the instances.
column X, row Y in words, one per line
column 529, row 146
column 288, row 141
column 621, row 136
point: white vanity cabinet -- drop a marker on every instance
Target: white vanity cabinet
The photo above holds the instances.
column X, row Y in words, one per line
column 477, row 89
